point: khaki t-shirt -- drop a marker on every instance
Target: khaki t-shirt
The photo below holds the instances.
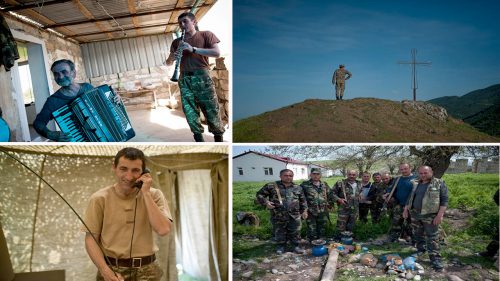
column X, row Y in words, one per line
column 111, row 216
column 190, row 61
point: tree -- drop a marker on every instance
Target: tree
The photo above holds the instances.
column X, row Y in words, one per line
column 436, row 157
column 363, row 157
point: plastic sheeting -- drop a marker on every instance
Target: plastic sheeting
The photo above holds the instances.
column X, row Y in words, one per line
column 43, row 234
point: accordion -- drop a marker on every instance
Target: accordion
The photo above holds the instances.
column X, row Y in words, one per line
column 95, row 117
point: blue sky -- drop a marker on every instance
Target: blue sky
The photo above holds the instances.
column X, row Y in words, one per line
column 285, row 51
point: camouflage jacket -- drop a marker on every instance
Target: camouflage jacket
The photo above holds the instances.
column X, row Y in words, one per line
column 339, row 76
column 316, row 196
column 380, row 191
column 293, row 202
column 431, row 201
column 337, row 192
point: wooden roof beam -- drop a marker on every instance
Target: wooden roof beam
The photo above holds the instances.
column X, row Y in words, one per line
column 174, row 15
column 125, row 28
column 20, row 6
column 90, row 16
column 118, row 17
column 42, row 19
column 132, row 10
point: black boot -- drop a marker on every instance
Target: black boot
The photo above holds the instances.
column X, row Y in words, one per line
column 218, row 138
column 198, row 138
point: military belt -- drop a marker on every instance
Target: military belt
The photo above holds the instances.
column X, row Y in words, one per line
column 133, row 262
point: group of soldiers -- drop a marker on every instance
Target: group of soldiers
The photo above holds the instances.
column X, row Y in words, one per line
column 416, row 204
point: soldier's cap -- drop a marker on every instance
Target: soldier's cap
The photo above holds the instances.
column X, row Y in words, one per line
column 341, row 65
column 315, row 171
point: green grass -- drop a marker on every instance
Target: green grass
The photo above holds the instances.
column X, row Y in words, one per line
column 469, row 192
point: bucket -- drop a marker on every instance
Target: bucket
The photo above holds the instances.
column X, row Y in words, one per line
column 346, row 240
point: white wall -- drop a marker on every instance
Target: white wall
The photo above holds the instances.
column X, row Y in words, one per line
column 300, row 171
column 253, row 168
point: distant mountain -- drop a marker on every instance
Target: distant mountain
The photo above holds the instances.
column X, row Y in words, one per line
column 487, row 120
column 356, row 120
column 478, row 108
column 471, row 103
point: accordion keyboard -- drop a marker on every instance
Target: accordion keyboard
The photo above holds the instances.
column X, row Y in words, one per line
column 95, row 117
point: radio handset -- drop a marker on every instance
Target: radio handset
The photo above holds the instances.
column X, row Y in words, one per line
column 139, row 183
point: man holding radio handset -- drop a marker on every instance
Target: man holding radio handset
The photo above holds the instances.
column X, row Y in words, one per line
column 123, row 217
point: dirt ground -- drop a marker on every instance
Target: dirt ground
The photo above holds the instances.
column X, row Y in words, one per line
column 291, row 266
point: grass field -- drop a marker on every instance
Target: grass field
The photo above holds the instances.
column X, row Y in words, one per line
column 468, row 192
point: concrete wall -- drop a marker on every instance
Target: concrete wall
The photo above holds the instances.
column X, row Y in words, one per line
column 458, row 166
column 55, row 48
column 485, row 166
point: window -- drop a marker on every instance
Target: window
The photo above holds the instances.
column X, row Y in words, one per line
column 268, row 171
column 303, row 171
column 240, row 171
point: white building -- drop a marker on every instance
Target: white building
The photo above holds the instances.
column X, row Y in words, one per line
column 256, row 166
column 325, row 171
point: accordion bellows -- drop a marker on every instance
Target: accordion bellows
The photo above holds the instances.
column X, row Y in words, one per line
column 95, row 117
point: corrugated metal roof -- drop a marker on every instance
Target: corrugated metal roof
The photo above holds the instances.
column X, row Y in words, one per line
column 72, row 18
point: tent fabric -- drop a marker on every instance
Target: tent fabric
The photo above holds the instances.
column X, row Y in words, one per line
column 218, row 220
column 43, row 234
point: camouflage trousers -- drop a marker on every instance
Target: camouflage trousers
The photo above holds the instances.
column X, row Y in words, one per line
column 339, row 89
column 426, row 234
column 398, row 225
column 198, row 93
column 376, row 211
column 287, row 230
column 150, row 272
column 316, row 225
column 373, row 208
column 346, row 219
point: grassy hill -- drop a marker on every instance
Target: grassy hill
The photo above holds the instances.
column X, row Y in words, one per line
column 356, row 120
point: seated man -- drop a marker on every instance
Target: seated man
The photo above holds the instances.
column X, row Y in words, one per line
column 64, row 74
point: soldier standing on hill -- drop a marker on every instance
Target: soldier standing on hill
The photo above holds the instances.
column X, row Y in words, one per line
column 338, row 80
column 287, row 205
column 316, row 193
column 427, row 203
column 346, row 194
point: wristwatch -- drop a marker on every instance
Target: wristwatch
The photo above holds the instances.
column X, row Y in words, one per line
column 194, row 50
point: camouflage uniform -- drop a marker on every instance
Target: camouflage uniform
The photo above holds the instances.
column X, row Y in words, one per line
column 399, row 226
column 317, row 208
column 339, row 77
column 378, row 202
column 150, row 272
column 426, row 234
column 286, row 214
column 198, row 92
column 349, row 212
